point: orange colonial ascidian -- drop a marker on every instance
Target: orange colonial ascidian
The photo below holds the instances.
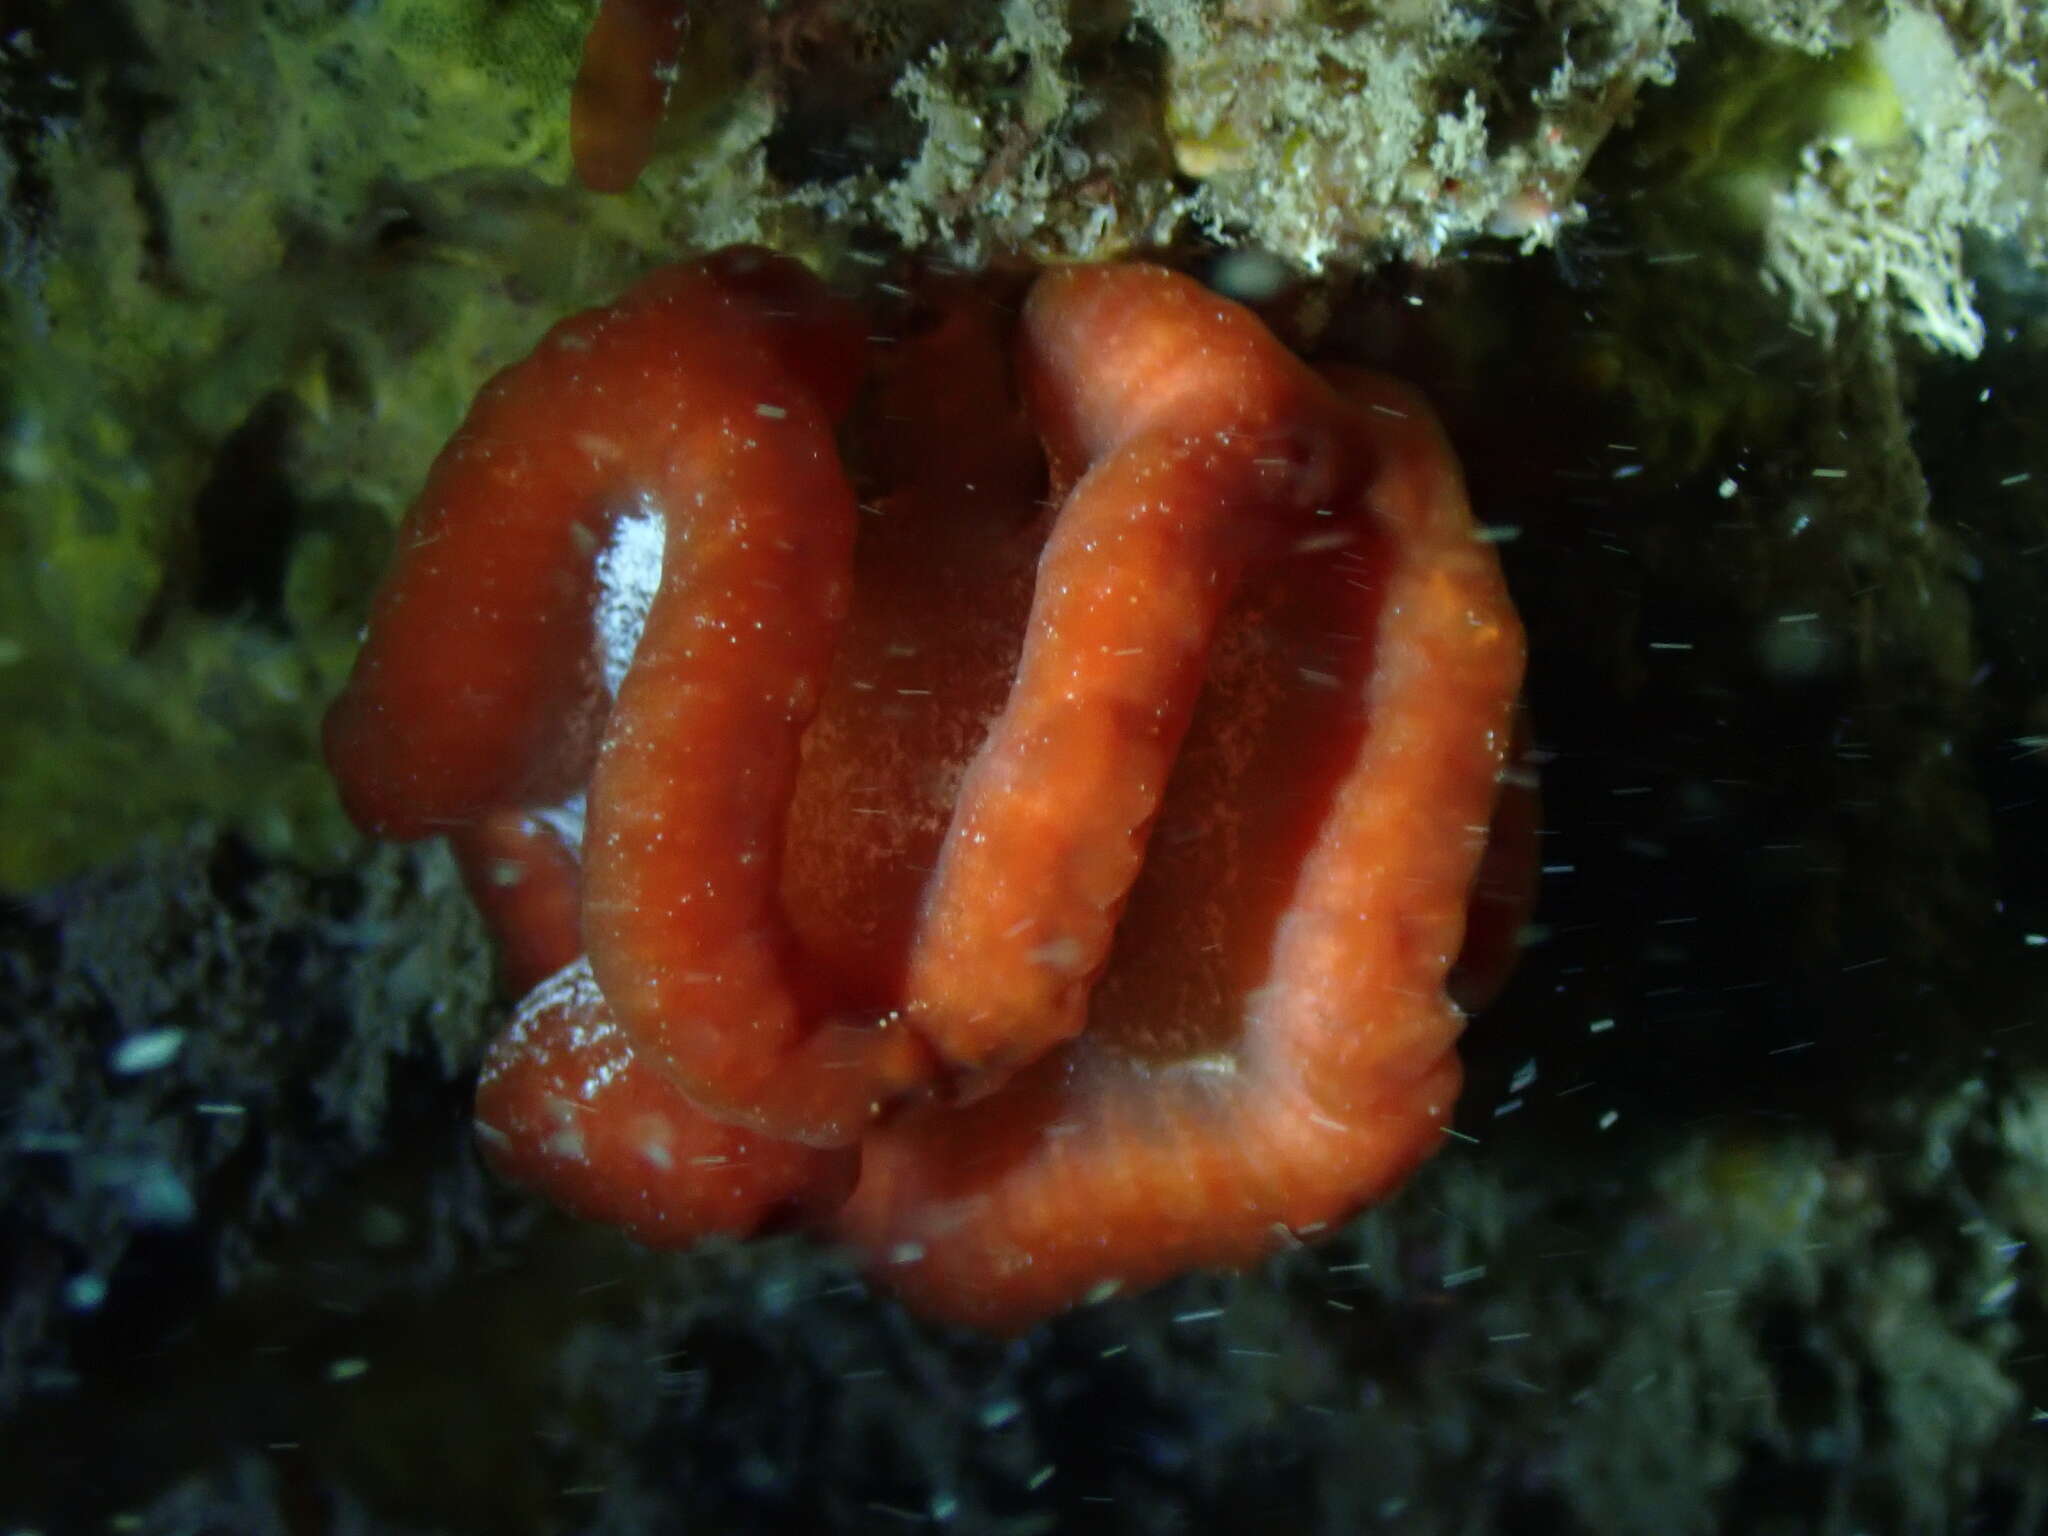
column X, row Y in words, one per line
column 1042, row 868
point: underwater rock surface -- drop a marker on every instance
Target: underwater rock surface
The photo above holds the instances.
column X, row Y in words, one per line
column 1737, row 315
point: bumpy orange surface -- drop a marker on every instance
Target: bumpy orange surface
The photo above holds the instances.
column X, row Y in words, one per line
column 1041, row 868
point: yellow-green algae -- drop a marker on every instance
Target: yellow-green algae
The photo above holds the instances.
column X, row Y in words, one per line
column 246, row 236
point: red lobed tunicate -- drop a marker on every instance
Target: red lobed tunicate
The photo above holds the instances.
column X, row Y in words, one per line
column 1042, row 868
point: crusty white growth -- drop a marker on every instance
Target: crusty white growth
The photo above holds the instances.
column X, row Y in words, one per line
column 628, row 574
column 1880, row 216
column 600, row 1047
column 566, row 820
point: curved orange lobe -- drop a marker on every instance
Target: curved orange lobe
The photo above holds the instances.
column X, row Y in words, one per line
column 565, row 1107
column 1242, row 786
column 621, row 90
column 1035, row 849
column 481, row 683
column 524, row 874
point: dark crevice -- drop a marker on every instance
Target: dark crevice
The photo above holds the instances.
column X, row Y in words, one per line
column 245, row 519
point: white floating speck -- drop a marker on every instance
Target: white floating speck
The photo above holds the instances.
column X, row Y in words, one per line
column 149, row 1051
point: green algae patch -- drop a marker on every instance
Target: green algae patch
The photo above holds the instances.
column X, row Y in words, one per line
column 257, row 280
column 199, row 498
column 131, row 709
column 288, row 118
